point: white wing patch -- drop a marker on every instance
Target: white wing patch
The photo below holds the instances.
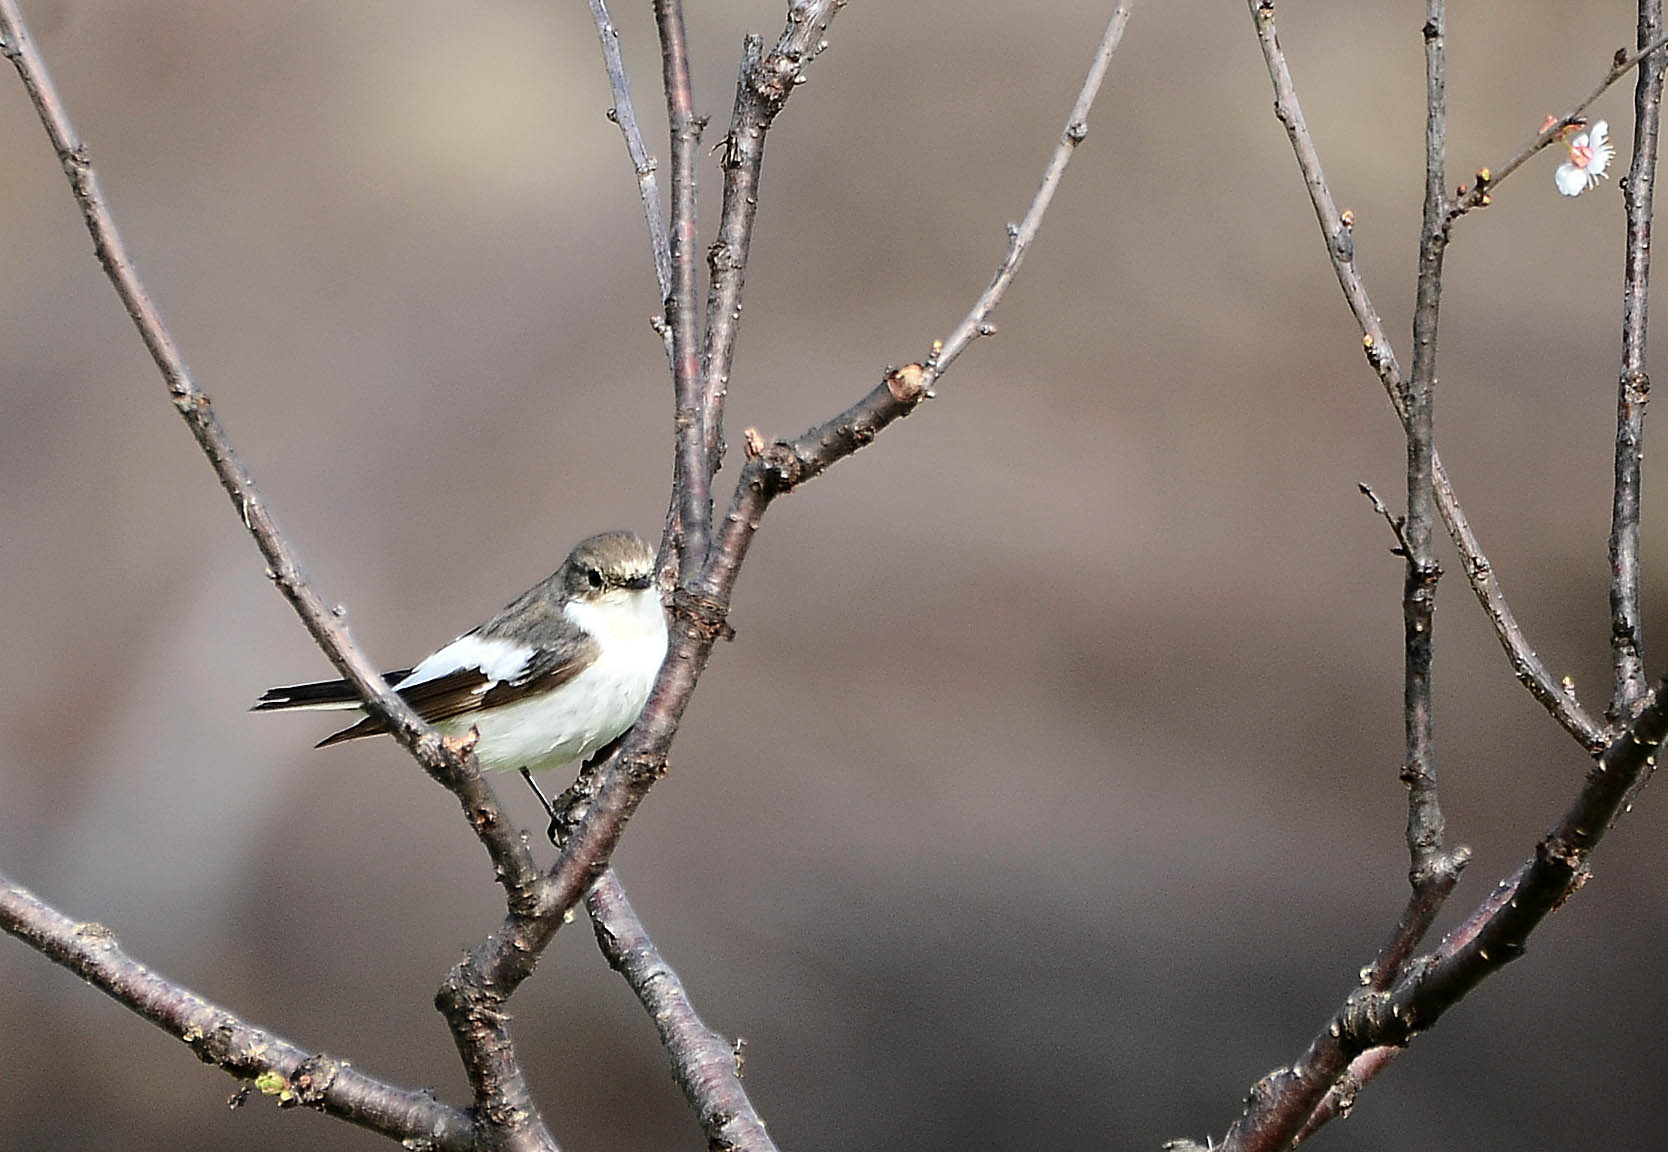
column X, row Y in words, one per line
column 498, row 660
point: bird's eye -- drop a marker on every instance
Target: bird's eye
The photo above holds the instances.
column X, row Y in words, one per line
column 593, row 576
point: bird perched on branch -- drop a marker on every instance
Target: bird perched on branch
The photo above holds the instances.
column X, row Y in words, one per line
column 560, row 673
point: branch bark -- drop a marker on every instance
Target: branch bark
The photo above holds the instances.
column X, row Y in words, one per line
column 705, row 1065
column 1431, row 865
column 1634, row 385
column 1280, row 1106
column 624, row 114
column 500, row 1087
column 474, row 996
column 701, row 606
column 1336, row 231
column 762, row 89
column 691, row 494
column 295, row 1076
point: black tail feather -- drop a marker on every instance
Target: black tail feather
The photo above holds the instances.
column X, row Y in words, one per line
column 321, row 693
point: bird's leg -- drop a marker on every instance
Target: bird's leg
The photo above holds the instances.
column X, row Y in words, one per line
column 554, row 831
column 564, row 811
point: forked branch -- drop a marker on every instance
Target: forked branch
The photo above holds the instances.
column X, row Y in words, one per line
column 500, row 1089
column 1337, row 234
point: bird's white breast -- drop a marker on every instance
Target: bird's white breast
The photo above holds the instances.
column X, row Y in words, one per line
column 595, row 706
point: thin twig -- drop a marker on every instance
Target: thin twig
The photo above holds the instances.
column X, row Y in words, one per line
column 977, row 321
column 742, row 158
column 624, row 114
column 1488, row 179
column 1398, row 525
column 1336, row 229
column 504, row 1092
column 1634, row 384
column 220, row 1037
column 763, row 85
column 691, row 492
column 704, row 1064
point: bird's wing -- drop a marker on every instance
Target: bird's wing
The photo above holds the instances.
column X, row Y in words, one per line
column 476, row 672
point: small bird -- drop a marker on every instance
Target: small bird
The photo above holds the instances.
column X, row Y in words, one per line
column 557, row 675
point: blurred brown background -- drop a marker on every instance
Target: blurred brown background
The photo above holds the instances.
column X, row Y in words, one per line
column 1047, row 797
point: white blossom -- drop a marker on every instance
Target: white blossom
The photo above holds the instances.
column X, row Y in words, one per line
column 1590, row 154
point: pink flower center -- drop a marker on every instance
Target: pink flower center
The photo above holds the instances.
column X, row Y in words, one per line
column 1581, row 155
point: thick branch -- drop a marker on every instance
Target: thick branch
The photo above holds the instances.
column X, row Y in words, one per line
column 1425, row 824
column 1495, row 933
column 765, row 82
column 1634, row 385
column 705, row 1065
column 1336, row 230
column 691, row 494
column 219, row 1037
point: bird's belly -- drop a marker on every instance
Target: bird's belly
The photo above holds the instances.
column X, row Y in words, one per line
column 553, row 729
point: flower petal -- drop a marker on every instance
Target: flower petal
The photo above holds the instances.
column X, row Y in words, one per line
column 1572, row 180
column 1602, row 149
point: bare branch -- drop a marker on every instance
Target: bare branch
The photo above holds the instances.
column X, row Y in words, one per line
column 1492, row 936
column 977, row 321
column 624, row 114
column 765, row 82
column 704, row 1064
column 1398, row 525
column 221, row 1038
column 1488, row 179
column 474, row 995
column 500, row 1088
column 699, row 612
column 1429, row 861
column 1398, row 998
column 691, row 493
column 1336, row 230
column 458, row 773
column 1634, row 385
